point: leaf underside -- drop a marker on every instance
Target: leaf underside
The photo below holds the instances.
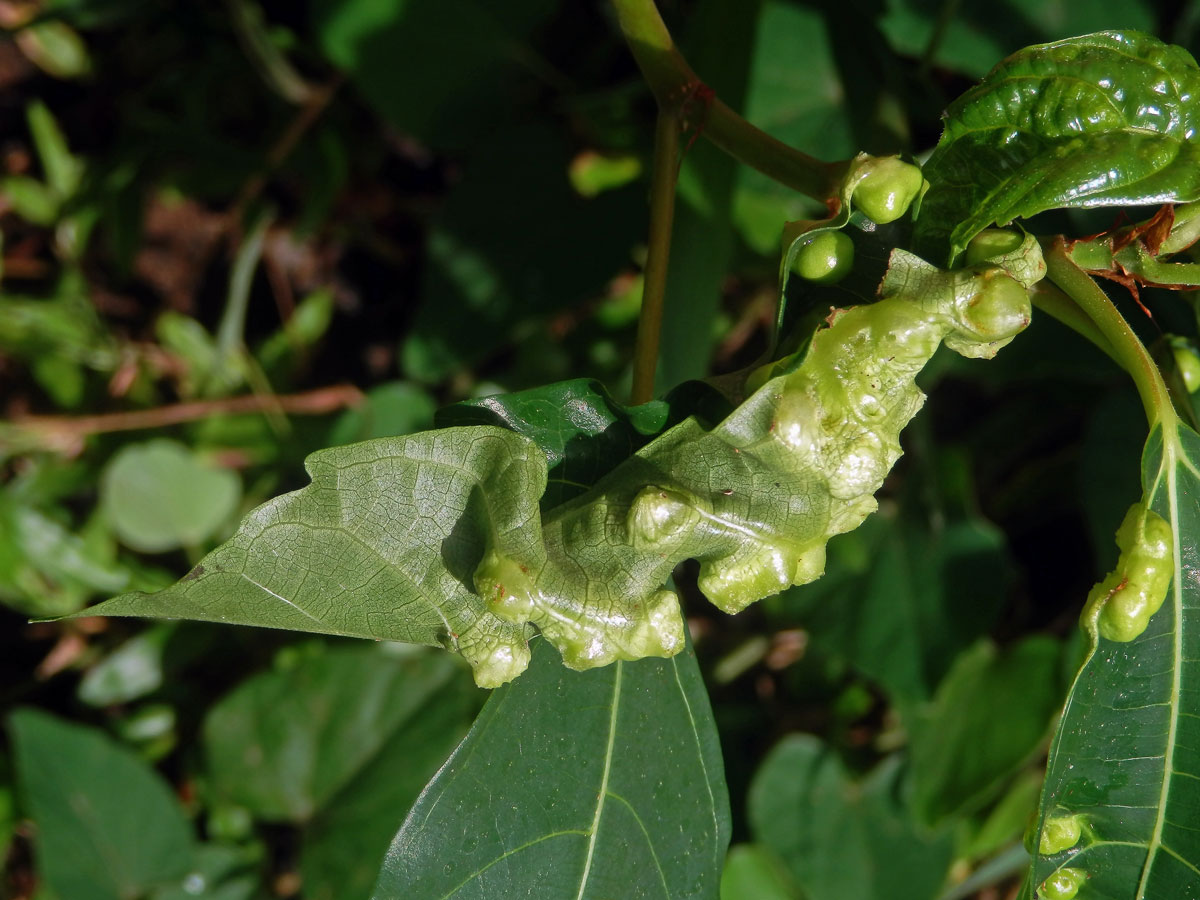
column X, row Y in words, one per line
column 1107, row 119
column 438, row 538
column 1126, row 757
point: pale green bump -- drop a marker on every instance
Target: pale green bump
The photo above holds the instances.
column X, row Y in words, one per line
column 886, row 188
column 1063, row 884
column 660, row 633
column 1122, row 605
column 993, row 308
column 495, row 662
column 505, row 587
column 657, row 515
column 992, row 242
column 825, row 258
column 1060, row 833
column 734, row 582
column 1023, row 261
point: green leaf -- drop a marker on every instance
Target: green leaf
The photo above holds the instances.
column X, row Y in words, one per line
column 500, row 255
column 753, row 872
column 924, row 595
column 582, row 430
column 160, row 496
column 962, row 750
column 975, row 34
column 1123, row 767
column 283, row 743
column 598, row 784
column 842, row 838
column 108, row 827
column 391, row 409
column 1107, row 119
column 437, row 538
column 132, row 670
column 339, row 740
column 382, row 545
column 458, row 83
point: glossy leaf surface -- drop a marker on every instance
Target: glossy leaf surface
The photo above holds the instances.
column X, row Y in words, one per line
column 606, row 783
column 1108, row 119
column 109, row 827
column 1125, row 765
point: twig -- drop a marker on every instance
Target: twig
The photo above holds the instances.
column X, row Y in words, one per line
column 662, row 216
column 64, row 433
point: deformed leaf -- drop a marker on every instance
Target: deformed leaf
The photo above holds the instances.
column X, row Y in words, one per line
column 1119, row 806
column 598, row 784
column 437, row 538
column 382, row 544
column 1107, row 119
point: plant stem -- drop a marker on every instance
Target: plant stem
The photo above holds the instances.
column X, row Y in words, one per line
column 673, row 81
column 1127, row 349
column 658, row 253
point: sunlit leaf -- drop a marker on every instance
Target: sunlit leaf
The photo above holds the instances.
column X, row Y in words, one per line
column 1107, row 119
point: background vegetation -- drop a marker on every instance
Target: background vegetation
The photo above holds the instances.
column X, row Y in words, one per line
column 237, row 233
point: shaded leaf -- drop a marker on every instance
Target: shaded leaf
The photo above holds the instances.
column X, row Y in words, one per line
column 501, row 252
column 1107, row 119
column 457, row 83
column 840, row 838
column 283, row 743
column 108, row 825
column 753, row 872
column 989, row 716
column 606, row 783
column 160, row 496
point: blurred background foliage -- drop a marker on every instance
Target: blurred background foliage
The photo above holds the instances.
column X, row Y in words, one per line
column 234, row 233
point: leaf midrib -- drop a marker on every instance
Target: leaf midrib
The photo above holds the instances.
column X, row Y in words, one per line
column 1172, row 452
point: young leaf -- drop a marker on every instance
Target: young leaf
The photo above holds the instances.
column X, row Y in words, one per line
column 574, row 785
column 1123, row 781
column 1107, row 119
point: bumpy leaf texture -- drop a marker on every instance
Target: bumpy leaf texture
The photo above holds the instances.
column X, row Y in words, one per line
column 1121, row 802
column 437, row 538
column 1107, row 119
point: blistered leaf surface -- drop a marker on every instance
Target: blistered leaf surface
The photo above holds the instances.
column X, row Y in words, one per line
column 1125, row 764
column 1107, row 119
column 438, row 537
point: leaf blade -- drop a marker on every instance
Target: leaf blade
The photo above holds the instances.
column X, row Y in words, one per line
column 1123, row 759
column 550, row 824
column 1106, row 119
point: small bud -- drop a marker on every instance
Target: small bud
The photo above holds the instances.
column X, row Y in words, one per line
column 824, row 258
